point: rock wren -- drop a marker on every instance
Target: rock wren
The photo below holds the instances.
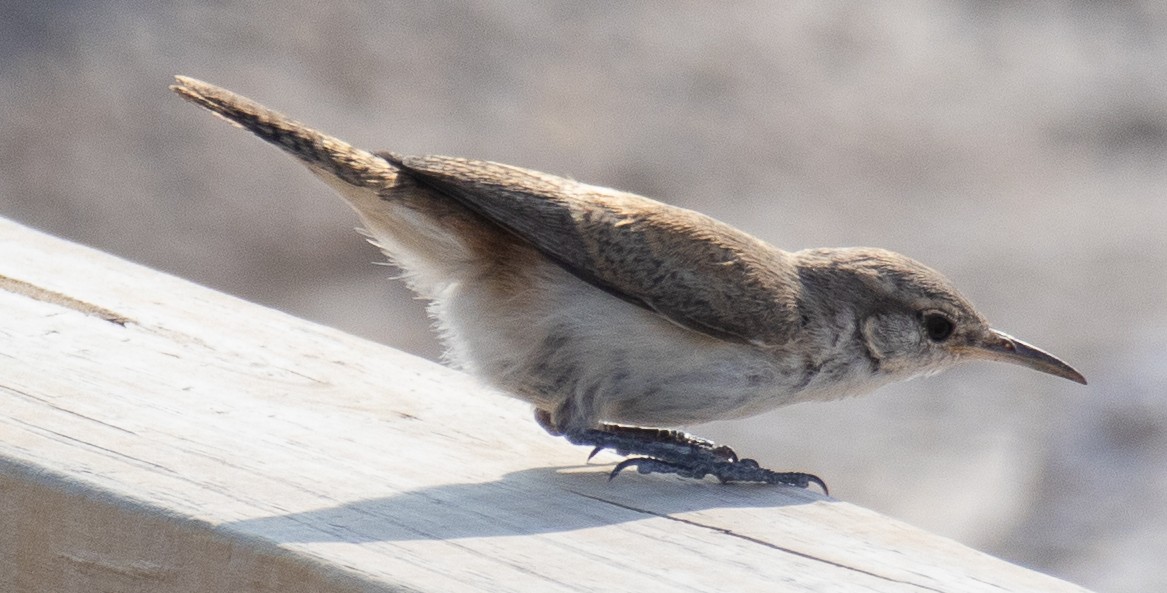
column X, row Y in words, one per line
column 611, row 312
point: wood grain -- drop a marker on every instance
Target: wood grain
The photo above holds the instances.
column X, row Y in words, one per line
column 202, row 443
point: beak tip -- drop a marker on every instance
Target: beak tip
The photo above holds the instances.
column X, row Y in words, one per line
column 1005, row 348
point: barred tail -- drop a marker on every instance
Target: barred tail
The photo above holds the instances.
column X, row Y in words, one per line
column 321, row 151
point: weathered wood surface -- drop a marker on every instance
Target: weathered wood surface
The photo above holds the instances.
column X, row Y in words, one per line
column 160, row 436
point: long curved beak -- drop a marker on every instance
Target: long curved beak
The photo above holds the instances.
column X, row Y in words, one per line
column 1002, row 347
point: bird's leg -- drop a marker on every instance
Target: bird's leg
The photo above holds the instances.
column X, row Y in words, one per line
column 637, row 440
column 675, row 452
column 632, row 440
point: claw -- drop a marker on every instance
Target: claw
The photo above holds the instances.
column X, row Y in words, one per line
column 627, row 463
column 813, row 479
column 595, row 451
column 648, row 465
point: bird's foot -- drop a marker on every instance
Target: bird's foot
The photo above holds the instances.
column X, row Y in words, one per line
column 675, row 452
column 745, row 470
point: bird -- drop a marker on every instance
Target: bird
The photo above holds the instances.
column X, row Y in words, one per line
column 621, row 318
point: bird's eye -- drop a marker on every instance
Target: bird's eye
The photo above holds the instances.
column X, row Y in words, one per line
column 938, row 327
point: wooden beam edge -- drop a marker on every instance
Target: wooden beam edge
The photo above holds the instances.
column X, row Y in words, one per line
column 200, row 437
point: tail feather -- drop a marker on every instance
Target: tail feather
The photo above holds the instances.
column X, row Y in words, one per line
column 436, row 241
column 321, row 151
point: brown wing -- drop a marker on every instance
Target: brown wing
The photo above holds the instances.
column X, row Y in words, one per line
column 697, row 272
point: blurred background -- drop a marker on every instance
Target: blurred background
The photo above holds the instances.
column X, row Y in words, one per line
column 1021, row 148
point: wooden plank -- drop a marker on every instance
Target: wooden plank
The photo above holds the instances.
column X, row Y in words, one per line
column 160, row 436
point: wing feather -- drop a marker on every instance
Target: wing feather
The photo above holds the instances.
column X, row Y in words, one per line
column 693, row 270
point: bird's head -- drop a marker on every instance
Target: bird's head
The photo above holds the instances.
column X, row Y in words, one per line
column 908, row 317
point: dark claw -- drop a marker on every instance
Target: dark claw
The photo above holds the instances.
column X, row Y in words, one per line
column 623, row 465
column 595, row 451
column 813, row 479
column 631, row 462
column 648, row 465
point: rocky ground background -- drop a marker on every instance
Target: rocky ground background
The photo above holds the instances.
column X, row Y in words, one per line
column 1020, row 148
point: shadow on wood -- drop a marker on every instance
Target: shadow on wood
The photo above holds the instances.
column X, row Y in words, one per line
column 202, row 443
